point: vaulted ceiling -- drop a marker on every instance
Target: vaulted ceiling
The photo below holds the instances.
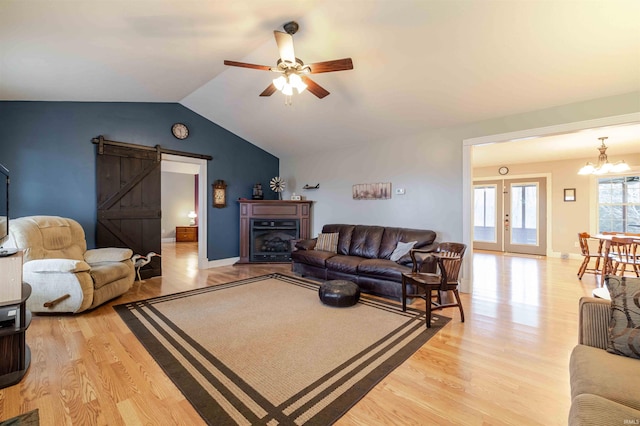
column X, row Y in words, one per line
column 418, row 64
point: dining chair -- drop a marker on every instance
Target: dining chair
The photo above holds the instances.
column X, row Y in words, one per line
column 588, row 254
column 607, row 267
column 435, row 271
column 624, row 253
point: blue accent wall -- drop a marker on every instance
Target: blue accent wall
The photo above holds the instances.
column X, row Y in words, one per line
column 48, row 150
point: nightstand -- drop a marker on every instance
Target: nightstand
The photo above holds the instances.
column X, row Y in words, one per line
column 186, row 234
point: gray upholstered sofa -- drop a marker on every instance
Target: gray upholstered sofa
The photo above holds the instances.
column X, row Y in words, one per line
column 605, row 387
column 363, row 255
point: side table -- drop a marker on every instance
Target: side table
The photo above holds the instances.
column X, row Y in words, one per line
column 15, row 355
column 186, row 234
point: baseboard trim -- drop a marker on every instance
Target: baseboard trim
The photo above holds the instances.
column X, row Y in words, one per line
column 168, row 240
column 573, row 256
column 222, row 262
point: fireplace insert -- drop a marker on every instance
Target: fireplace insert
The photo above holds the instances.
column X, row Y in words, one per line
column 271, row 239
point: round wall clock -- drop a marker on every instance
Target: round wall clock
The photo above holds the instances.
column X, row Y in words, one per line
column 180, row 131
column 503, row 170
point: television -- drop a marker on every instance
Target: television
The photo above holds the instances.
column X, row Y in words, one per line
column 4, row 212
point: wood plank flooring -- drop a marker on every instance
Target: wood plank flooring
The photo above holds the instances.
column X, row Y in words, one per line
column 506, row 365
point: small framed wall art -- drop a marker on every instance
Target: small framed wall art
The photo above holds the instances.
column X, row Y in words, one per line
column 569, row 194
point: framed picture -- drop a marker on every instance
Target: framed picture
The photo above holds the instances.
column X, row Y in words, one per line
column 569, row 194
column 372, row 191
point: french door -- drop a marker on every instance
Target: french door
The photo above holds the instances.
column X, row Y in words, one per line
column 510, row 215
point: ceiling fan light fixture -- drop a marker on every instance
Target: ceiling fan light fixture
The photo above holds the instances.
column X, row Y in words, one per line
column 287, row 90
column 296, row 81
column 280, row 82
column 293, row 71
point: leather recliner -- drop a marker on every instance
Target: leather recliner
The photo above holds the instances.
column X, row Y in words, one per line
column 60, row 269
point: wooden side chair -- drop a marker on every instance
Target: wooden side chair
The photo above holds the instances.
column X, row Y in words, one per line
column 588, row 254
column 624, row 253
column 435, row 271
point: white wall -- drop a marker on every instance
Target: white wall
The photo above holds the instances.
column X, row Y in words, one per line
column 427, row 165
column 403, row 163
column 178, row 199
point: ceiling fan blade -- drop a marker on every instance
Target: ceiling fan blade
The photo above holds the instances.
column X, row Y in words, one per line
column 285, row 46
column 270, row 90
column 246, row 65
column 314, row 87
column 330, row 66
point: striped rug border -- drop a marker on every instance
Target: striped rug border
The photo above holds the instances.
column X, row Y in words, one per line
column 223, row 398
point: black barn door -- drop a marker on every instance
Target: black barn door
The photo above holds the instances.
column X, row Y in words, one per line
column 129, row 212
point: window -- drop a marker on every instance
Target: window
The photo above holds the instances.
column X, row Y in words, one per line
column 619, row 204
column 524, row 213
column 484, row 213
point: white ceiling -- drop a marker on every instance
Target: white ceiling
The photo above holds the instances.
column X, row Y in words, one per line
column 418, row 64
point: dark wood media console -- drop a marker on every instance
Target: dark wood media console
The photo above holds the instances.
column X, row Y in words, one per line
column 283, row 220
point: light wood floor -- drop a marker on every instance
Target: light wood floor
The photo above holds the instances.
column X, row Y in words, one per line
column 507, row 364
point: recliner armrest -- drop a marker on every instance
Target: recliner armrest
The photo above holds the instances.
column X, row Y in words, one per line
column 109, row 254
column 593, row 324
column 55, row 266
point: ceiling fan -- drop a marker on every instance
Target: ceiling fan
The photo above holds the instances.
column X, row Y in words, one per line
column 293, row 72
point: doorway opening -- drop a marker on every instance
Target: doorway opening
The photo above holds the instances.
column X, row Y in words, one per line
column 467, row 170
column 190, row 174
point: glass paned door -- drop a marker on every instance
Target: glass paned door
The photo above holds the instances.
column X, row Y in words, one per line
column 525, row 223
column 510, row 215
column 487, row 213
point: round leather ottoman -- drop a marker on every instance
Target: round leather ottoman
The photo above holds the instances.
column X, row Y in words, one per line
column 339, row 293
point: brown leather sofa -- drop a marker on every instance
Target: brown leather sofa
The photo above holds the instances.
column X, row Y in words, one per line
column 363, row 256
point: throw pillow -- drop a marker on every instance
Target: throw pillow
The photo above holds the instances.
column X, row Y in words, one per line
column 328, row 242
column 402, row 249
column 624, row 324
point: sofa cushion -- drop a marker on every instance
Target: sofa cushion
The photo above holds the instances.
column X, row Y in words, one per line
column 346, row 264
column 106, row 273
column 402, row 249
column 610, row 376
column 56, row 266
column 624, row 324
column 593, row 410
column 382, row 268
column 393, row 235
column 327, row 242
column 108, row 254
column 306, row 244
column 312, row 257
column 365, row 241
column 344, row 240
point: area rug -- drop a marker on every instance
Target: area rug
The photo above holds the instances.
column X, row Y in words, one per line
column 32, row 418
column 266, row 351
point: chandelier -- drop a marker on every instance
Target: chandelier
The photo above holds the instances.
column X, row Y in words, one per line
column 604, row 166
